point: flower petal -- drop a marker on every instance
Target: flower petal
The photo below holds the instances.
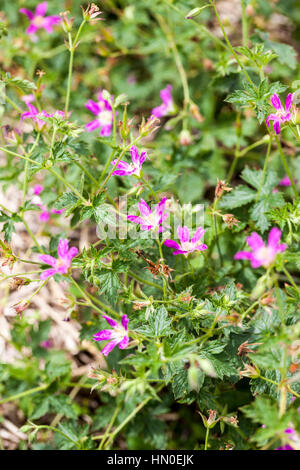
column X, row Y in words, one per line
column 124, row 343
column 275, row 100
column 171, row 244
column 135, row 219
column 26, row 12
column 109, row 347
column 31, row 29
column 103, row 335
column 276, row 126
column 48, row 273
column 125, row 321
column 93, row 107
column 41, row 9
column 288, row 101
column 274, row 237
column 144, row 208
column 198, row 234
column 201, row 247
column 91, row 126
column 183, row 234
column 134, row 155
column 110, row 321
column 47, row 259
column 255, row 241
column 106, row 130
column 142, row 158
column 243, row 255
column 63, row 248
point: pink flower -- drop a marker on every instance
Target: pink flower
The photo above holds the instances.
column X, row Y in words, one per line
column 282, row 114
column 133, row 168
column 64, row 261
column 33, row 113
column 45, row 214
column 117, row 336
column 46, row 344
column 186, row 246
column 28, row 98
column 286, row 181
column 38, row 20
column 167, row 105
column 150, row 220
column 261, row 254
column 293, row 439
column 37, row 189
column 103, row 110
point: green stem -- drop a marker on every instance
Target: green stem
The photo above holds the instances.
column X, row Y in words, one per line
column 89, row 175
column 229, row 44
column 72, row 47
column 237, row 148
column 291, row 279
column 24, row 394
column 287, row 169
column 31, row 234
column 70, row 186
column 244, row 24
column 262, row 141
column 264, row 169
column 126, row 420
column 13, row 104
column 106, row 166
column 150, row 188
column 117, row 410
column 206, row 438
column 144, row 281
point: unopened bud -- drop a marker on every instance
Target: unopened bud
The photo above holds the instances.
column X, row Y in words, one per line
column 185, row 137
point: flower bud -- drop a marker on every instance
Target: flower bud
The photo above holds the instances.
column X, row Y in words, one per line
column 185, row 137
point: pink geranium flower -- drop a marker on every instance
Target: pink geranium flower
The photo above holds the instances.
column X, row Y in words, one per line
column 282, row 114
column 134, row 168
column 37, row 189
column 33, row 113
column 150, row 220
column 167, row 106
column 28, row 98
column 186, row 245
column 103, row 110
column 64, row 261
column 261, row 254
column 117, row 336
column 45, row 214
column 38, row 20
column 294, row 440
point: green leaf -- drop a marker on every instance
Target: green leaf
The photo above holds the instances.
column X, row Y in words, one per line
column 159, row 322
column 238, row 197
column 24, row 85
column 65, row 201
column 109, row 284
